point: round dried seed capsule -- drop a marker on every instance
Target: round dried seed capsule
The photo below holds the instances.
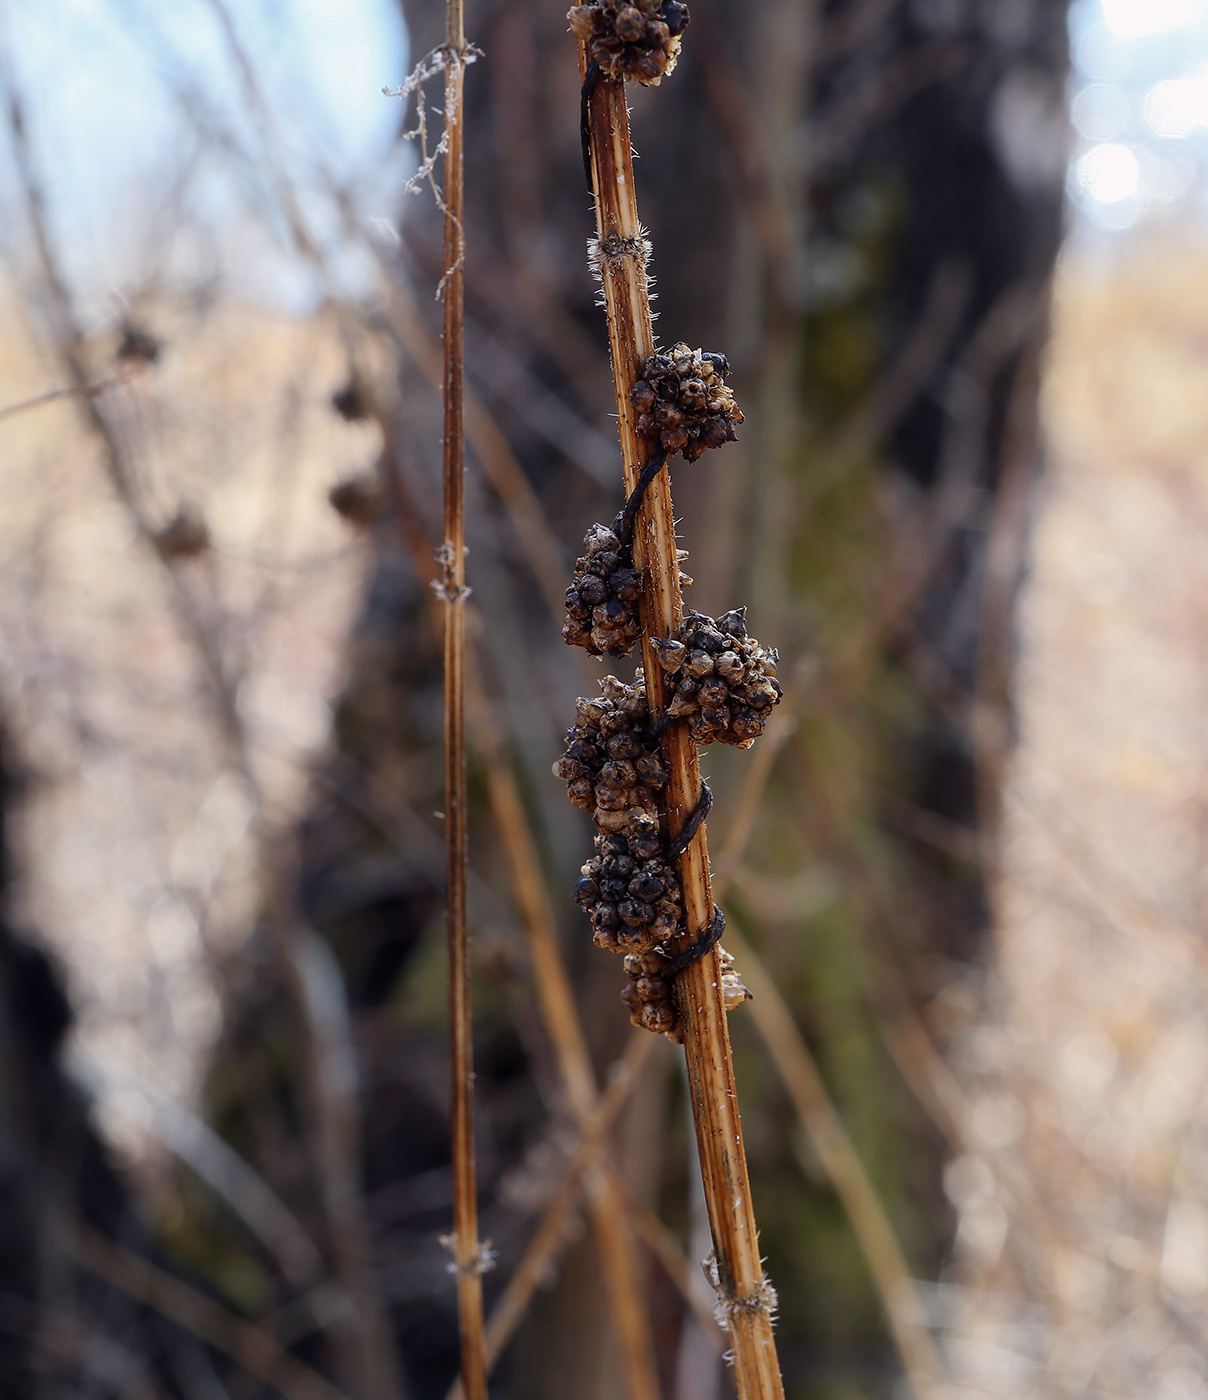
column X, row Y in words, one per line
column 683, row 400
column 724, row 680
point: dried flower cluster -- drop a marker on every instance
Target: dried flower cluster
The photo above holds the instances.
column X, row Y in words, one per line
column 602, row 602
column 631, row 893
column 650, row 996
column 684, row 401
column 725, row 682
column 609, row 767
column 638, row 39
column 629, row 889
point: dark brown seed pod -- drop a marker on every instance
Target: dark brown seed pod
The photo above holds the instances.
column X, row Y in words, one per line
column 609, row 767
column 629, row 891
column 684, row 402
column 358, row 499
column 725, row 682
column 602, row 601
column 632, row 39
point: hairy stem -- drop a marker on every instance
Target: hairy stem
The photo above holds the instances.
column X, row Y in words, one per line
column 744, row 1293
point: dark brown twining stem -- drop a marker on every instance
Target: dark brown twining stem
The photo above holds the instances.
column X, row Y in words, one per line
column 744, row 1293
column 466, row 1250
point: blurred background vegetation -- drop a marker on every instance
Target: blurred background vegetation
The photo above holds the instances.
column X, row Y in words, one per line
column 223, row 1044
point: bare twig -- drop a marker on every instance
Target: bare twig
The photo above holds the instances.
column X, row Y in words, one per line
column 745, row 1296
column 469, row 1256
column 89, row 391
column 332, row 1108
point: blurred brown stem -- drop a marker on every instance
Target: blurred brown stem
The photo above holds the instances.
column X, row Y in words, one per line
column 250, row 1347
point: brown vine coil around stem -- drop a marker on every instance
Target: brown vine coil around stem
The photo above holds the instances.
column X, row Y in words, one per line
column 621, row 251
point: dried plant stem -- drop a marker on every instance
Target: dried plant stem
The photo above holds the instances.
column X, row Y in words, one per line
column 745, row 1296
column 556, row 998
column 550, row 1233
column 609, row 1217
column 467, row 1252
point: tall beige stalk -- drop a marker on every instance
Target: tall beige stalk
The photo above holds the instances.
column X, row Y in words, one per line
column 466, row 1249
column 745, row 1295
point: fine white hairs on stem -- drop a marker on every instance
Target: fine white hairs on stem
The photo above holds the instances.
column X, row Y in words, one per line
column 440, row 59
column 762, row 1300
column 612, row 252
column 446, row 587
column 483, row 1262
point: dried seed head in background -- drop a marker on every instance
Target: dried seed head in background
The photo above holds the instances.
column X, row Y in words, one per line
column 351, row 402
column 137, row 346
column 185, row 536
column 638, row 40
column 725, row 682
column 358, row 499
column 602, row 602
column 684, row 401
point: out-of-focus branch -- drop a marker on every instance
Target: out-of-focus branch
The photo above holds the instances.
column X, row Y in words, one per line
column 249, row 1347
column 550, row 1233
column 91, row 391
column 332, row 1108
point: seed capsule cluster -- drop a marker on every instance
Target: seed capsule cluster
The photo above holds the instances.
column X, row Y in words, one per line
column 650, row 996
column 725, row 682
column 683, row 400
column 638, row 39
column 630, row 892
column 602, row 602
column 609, row 767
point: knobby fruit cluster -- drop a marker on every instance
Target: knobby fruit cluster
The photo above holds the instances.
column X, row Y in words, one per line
column 725, row 682
column 602, row 601
column 684, row 402
column 638, row 39
column 724, row 688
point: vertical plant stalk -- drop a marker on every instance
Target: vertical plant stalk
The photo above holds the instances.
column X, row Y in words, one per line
column 619, row 1260
column 745, row 1296
column 468, row 1255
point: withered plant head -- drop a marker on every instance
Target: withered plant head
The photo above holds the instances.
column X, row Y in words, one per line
column 725, row 682
column 185, row 536
column 137, row 346
column 351, row 402
column 636, row 39
column 358, row 499
column 602, row 601
column 684, row 402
